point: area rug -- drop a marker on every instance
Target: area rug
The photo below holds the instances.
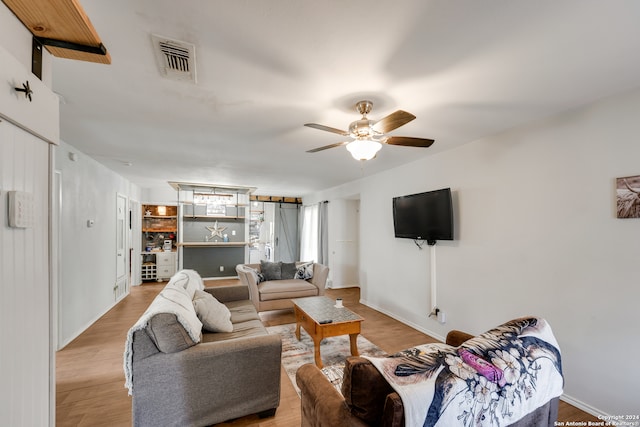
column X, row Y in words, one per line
column 333, row 350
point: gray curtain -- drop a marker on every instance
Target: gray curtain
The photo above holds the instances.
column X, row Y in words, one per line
column 323, row 233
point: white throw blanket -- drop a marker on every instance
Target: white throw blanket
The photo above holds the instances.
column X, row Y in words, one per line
column 494, row 379
column 172, row 300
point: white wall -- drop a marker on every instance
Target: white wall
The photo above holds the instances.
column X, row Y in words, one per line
column 27, row 366
column 87, row 254
column 160, row 195
column 536, row 235
column 17, row 40
column 25, row 345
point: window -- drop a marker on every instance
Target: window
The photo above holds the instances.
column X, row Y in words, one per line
column 309, row 239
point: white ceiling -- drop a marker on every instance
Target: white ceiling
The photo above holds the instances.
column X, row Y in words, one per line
column 466, row 68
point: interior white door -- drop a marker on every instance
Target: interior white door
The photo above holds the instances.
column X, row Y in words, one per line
column 121, row 247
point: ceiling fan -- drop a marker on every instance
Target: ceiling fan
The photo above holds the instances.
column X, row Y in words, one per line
column 369, row 135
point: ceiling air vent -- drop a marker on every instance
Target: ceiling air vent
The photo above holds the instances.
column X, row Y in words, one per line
column 176, row 59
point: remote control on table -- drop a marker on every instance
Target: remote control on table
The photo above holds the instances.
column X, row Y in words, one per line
column 324, row 322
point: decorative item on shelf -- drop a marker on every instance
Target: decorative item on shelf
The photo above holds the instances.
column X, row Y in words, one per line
column 216, row 231
column 257, row 216
column 225, row 238
column 147, row 213
column 216, row 209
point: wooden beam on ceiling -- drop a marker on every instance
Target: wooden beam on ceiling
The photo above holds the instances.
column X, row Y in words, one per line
column 62, row 20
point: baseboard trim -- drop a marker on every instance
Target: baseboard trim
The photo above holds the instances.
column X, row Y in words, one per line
column 403, row 320
column 343, row 286
column 66, row 342
column 220, row 278
column 584, row 407
column 568, row 399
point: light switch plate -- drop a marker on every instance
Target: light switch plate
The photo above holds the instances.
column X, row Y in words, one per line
column 21, row 209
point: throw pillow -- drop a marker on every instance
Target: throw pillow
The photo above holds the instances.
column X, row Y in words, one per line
column 271, row 270
column 305, row 271
column 214, row 315
column 259, row 277
column 288, row 270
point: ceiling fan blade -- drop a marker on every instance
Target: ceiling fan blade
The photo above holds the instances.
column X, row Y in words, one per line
column 408, row 141
column 327, row 128
column 393, row 121
column 326, row 147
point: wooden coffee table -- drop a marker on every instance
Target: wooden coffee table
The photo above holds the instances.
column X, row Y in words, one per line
column 321, row 319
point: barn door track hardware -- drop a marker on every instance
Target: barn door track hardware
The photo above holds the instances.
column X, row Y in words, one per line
column 26, row 89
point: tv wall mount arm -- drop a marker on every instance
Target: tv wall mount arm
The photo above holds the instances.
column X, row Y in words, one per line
column 420, row 242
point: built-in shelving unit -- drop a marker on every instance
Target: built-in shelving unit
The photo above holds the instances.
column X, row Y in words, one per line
column 149, row 271
column 159, row 223
column 256, row 219
column 159, row 239
column 213, row 224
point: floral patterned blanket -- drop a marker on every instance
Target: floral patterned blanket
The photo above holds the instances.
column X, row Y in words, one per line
column 493, row 379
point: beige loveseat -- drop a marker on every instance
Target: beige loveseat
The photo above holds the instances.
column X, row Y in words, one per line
column 181, row 374
column 276, row 293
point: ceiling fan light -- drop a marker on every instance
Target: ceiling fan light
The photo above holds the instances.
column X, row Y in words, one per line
column 364, row 149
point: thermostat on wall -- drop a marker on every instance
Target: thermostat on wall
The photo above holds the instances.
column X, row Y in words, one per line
column 21, row 209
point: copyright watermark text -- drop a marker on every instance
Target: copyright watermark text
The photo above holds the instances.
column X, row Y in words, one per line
column 604, row 421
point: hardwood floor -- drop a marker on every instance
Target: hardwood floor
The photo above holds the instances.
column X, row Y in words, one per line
column 90, row 379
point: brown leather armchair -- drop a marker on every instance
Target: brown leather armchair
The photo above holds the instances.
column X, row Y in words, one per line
column 368, row 400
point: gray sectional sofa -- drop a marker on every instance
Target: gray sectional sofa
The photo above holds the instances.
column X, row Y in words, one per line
column 273, row 289
column 182, row 375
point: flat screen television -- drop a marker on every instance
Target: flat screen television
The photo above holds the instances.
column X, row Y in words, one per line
column 424, row 216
